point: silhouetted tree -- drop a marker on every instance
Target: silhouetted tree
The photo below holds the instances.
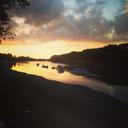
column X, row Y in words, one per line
column 5, row 26
column 107, row 53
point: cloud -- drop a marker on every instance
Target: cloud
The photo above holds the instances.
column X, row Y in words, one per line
column 41, row 11
column 84, row 21
column 121, row 24
column 75, row 20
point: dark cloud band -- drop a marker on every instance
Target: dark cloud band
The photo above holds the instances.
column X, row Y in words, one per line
column 85, row 20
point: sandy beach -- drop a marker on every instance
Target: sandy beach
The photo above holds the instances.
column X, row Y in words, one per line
column 31, row 101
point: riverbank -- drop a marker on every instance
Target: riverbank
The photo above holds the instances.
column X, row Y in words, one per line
column 114, row 73
column 109, row 61
column 31, row 101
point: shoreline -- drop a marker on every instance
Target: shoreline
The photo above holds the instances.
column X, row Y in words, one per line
column 79, row 85
column 8, row 64
column 108, row 72
column 32, row 101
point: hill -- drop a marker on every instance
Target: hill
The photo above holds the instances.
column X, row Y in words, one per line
column 111, row 60
column 107, row 53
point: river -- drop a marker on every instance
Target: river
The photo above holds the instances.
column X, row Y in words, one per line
column 38, row 68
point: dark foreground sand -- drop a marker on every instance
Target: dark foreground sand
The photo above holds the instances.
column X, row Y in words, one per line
column 28, row 101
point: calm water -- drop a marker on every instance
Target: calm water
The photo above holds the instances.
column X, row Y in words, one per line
column 118, row 91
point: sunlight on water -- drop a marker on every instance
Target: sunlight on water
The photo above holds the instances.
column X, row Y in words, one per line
column 65, row 77
column 36, row 68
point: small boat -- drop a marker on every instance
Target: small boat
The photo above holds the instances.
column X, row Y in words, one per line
column 53, row 68
column 79, row 71
column 60, row 69
column 44, row 66
column 60, row 66
column 37, row 64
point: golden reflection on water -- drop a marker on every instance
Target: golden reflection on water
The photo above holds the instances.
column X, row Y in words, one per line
column 66, row 77
column 69, row 78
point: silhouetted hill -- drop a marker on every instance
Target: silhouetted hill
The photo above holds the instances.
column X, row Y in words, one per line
column 107, row 53
column 111, row 60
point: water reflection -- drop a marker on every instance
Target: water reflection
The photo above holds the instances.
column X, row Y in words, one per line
column 52, row 71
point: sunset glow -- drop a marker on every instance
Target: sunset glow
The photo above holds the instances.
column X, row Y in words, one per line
column 48, row 49
column 45, row 29
column 63, row 63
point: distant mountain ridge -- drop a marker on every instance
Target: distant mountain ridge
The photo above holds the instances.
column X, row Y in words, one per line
column 107, row 53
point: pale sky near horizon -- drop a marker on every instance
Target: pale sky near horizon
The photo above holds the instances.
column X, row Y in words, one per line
column 54, row 27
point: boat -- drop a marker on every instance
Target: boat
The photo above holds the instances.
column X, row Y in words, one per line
column 37, row 64
column 53, row 68
column 79, row 71
column 44, row 66
column 60, row 69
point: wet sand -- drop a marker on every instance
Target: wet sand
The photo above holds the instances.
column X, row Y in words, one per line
column 28, row 101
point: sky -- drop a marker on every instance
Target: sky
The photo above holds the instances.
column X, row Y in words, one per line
column 52, row 27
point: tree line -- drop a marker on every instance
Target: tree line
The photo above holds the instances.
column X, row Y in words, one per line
column 107, row 53
column 10, row 57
